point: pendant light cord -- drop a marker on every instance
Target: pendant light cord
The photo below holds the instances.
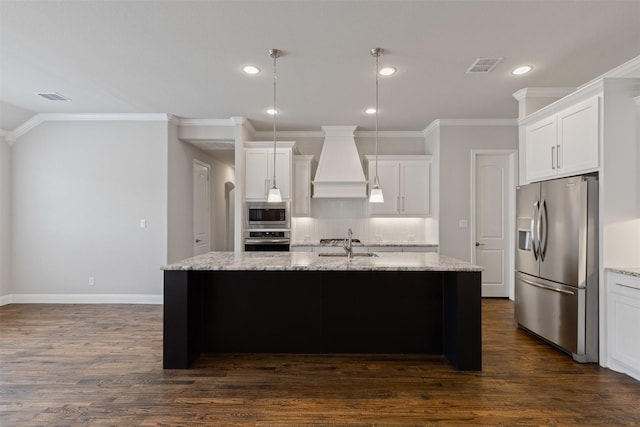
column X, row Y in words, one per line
column 377, row 56
column 275, row 112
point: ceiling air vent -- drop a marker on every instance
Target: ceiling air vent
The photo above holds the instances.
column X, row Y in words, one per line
column 483, row 65
column 53, row 96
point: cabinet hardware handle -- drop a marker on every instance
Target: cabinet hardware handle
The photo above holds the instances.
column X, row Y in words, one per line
column 558, row 156
column 553, row 157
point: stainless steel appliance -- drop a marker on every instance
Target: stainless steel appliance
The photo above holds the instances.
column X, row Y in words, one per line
column 266, row 241
column 556, row 286
column 263, row 215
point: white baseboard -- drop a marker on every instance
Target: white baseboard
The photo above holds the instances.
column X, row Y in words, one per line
column 80, row 299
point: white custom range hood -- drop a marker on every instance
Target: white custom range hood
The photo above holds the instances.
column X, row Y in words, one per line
column 339, row 174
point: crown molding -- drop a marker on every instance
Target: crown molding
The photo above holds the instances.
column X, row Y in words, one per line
column 64, row 117
column 630, row 68
column 9, row 137
column 542, row 92
column 438, row 123
column 357, row 134
column 207, row 122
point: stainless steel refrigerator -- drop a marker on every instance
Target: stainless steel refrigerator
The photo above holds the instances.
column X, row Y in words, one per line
column 556, row 283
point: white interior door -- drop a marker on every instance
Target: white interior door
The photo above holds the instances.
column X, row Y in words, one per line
column 230, row 197
column 493, row 243
column 201, row 209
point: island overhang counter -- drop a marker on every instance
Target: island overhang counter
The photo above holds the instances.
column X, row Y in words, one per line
column 300, row 302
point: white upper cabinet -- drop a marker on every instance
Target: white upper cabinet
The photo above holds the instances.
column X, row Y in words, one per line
column 258, row 157
column 302, row 185
column 578, row 135
column 541, row 140
column 405, row 184
column 565, row 143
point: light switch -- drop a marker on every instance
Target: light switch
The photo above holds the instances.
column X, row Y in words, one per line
column 463, row 223
column 143, row 223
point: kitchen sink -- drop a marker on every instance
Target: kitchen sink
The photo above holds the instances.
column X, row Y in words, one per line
column 344, row 255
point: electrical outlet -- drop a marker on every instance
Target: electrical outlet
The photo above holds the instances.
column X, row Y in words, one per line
column 92, row 281
column 463, row 223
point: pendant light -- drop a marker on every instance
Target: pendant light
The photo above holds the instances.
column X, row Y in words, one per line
column 376, row 192
column 274, row 192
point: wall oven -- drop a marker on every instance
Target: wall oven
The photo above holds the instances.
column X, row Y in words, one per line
column 266, row 241
column 263, row 215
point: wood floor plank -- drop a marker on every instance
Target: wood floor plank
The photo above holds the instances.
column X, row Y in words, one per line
column 102, row 365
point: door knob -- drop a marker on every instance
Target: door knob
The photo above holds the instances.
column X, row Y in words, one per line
column 198, row 241
column 479, row 244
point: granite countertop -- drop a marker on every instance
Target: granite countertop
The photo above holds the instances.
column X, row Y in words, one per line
column 629, row 271
column 309, row 261
column 316, row 244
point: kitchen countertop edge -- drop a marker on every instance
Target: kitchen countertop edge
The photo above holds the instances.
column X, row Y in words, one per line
column 627, row 271
column 308, row 261
column 367, row 244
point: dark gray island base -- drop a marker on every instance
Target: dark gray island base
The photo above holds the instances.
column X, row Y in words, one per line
column 223, row 302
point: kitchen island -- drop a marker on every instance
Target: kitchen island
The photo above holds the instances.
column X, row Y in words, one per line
column 298, row 302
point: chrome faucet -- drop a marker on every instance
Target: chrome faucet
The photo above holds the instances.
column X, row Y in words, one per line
column 348, row 245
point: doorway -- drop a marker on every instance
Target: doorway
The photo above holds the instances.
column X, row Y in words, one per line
column 201, row 208
column 493, row 174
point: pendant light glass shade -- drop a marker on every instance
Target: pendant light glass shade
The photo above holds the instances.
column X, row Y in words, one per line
column 274, row 195
column 274, row 192
column 376, row 196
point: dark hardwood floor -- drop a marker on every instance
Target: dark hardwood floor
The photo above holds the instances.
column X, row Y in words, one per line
column 102, row 365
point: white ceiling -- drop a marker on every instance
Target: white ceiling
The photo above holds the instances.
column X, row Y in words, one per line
column 184, row 57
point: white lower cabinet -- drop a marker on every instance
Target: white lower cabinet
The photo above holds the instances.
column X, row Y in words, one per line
column 623, row 321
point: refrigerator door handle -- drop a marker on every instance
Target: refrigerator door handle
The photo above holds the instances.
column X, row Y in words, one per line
column 539, row 226
column 533, row 229
column 549, row 288
column 544, row 236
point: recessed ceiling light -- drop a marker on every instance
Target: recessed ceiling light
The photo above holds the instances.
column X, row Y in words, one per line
column 387, row 71
column 251, row 69
column 271, row 111
column 370, row 111
column 522, row 70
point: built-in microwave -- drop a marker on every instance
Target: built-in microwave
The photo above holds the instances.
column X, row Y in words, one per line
column 267, row 215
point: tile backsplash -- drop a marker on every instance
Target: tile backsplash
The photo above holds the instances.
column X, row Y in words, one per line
column 332, row 218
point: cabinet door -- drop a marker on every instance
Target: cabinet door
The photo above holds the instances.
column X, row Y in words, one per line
column 414, row 179
column 283, row 169
column 256, row 173
column 389, row 174
column 623, row 318
column 302, row 187
column 541, row 145
column 578, row 135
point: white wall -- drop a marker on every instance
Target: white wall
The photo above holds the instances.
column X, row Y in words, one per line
column 79, row 191
column 180, row 197
column 456, row 143
column 5, row 218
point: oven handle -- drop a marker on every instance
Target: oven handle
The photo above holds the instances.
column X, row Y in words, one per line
column 266, row 241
